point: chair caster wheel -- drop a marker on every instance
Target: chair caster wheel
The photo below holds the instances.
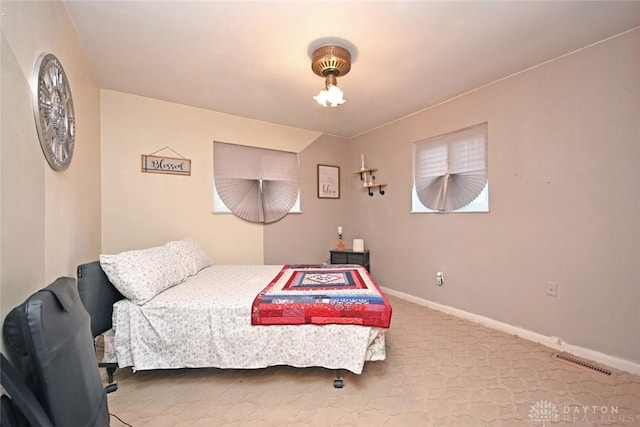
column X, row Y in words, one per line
column 338, row 383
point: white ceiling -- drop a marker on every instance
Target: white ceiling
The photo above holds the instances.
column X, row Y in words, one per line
column 252, row 59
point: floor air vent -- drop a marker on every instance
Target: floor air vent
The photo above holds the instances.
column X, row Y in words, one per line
column 581, row 363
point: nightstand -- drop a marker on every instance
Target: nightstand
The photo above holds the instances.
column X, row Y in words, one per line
column 351, row 257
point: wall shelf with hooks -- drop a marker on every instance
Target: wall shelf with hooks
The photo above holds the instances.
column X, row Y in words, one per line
column 367, row 177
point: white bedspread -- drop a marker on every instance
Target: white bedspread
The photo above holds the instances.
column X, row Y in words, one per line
column 206, row 322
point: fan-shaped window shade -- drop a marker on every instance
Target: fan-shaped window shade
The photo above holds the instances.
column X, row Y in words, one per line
column 256, row 184
column 450, row 170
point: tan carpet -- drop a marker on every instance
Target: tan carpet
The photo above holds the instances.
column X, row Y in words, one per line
column 440, row 371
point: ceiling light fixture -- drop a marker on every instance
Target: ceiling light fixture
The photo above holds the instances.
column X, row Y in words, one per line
column 330, row 62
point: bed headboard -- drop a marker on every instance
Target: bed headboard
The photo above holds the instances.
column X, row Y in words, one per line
column 98, row 296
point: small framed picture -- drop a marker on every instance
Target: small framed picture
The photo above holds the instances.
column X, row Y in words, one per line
column 328, row 182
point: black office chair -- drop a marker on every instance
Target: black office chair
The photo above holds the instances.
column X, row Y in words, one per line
column 49, row 342
column 98, row 296
column 19, row 407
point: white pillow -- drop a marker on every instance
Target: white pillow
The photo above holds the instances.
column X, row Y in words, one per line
column 193, row 257
column 142, row 274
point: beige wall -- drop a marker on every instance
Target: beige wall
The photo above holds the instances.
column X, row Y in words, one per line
column 50, row 221
column 564, row 150
column 143, row 209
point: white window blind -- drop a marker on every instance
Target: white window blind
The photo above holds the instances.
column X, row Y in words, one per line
column 256, row 184
column 450, row 171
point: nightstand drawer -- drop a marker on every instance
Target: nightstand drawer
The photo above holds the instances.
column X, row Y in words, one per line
column 355, row 258
column 339, row 258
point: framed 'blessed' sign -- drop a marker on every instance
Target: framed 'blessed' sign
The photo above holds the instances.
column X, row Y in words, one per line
column 328, row 182
column 168, row 165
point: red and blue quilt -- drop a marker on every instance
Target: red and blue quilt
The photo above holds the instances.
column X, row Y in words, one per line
column 322, row 294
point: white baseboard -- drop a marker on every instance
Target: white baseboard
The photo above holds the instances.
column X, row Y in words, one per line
column 552, row 342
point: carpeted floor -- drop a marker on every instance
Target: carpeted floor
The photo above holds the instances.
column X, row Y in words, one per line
column 440, row 371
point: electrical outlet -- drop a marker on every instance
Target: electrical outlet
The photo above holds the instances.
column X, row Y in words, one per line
column 551, row 289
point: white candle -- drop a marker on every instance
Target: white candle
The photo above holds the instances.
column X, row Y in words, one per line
column 339, row 229
column 362, row 161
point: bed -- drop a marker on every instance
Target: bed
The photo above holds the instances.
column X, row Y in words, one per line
column 203, row 315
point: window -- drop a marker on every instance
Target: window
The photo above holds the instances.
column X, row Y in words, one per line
column 450, row 172
column 255, row 184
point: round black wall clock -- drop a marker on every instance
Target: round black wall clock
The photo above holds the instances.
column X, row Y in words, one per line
column 53, row 111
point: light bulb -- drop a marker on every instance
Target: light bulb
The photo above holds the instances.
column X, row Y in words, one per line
column 334, row 96
column 322, row 97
